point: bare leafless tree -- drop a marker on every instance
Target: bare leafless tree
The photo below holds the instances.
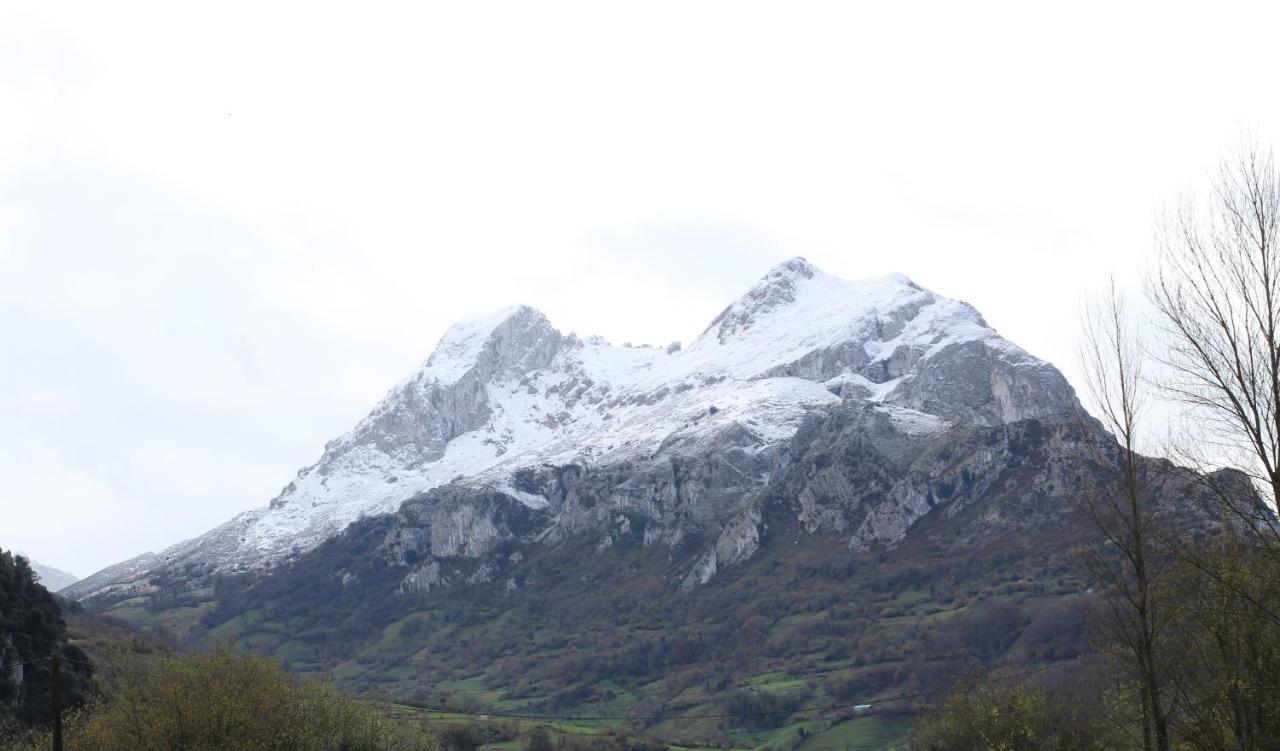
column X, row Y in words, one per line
column 1216, row 293
column 1129, row 564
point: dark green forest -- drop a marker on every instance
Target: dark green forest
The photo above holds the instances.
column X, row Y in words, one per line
column 32, row 630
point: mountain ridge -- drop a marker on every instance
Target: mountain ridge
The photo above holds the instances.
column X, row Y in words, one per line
column 53, row 578
column 505, row 393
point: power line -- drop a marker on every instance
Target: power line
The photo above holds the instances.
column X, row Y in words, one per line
column 743, row 686
column 725, row 715
column 36, row 660
column 665, row 718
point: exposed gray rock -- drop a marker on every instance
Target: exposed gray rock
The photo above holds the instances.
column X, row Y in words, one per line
column 415, row 422
column 986, row 384
column 11, row 670
column 702, row 572
column 740, row 538
column 422, row 578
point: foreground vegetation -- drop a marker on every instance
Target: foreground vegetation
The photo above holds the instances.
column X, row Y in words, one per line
column 224, row 700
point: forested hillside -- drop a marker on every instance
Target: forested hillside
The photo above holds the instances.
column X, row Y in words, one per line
column 32, row 629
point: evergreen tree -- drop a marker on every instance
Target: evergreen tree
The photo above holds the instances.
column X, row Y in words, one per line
column 32, row 629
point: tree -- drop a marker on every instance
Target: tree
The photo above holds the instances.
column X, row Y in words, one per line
column 538, row 740
column 981, row 714
column 1133, row 616
column 31, row 630
column 1189, row 602
column 1216, row 292
column 1229, row 651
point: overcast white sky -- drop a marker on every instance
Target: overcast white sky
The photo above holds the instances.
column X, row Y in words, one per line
column 227, row 229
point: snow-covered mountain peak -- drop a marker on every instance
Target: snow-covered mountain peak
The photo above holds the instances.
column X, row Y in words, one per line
column 505, row 392
column 799, row 297
column 497, row 340
column 797, row 317
column 777, row 288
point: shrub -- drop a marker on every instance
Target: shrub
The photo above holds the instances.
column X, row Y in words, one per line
column 224, row 700
column 976, row 716
column 538, row 740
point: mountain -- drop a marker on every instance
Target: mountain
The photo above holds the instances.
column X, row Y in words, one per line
column 52, row 578
column 841, row 491
column 506, row 396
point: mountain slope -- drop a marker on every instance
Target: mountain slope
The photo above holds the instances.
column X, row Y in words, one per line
column 870, row 562
column 505, row 396
column 52, row 578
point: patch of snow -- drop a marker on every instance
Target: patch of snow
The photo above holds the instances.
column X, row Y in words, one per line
column 874, row 392
column 913, row 422
column 532, row 500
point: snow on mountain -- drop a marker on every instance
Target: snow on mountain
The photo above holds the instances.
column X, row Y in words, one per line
column 52, row 578
column 506, row 391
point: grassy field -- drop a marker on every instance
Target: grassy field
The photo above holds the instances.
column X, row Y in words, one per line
column 861, row 733
column 870, row 732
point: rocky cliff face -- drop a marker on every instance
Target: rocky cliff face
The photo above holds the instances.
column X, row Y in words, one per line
column 864, row 474
column 512, row 434
column 11, row 673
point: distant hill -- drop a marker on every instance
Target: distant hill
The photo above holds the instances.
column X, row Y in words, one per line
column 52, row 578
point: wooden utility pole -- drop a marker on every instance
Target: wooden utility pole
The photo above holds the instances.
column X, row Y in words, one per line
column 55, row 699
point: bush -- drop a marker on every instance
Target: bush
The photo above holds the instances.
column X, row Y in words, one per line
column 223, row 700
column 413, row 627
column 461, row 738
column 759, row 710
column 977, row 716
column 538, row 740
